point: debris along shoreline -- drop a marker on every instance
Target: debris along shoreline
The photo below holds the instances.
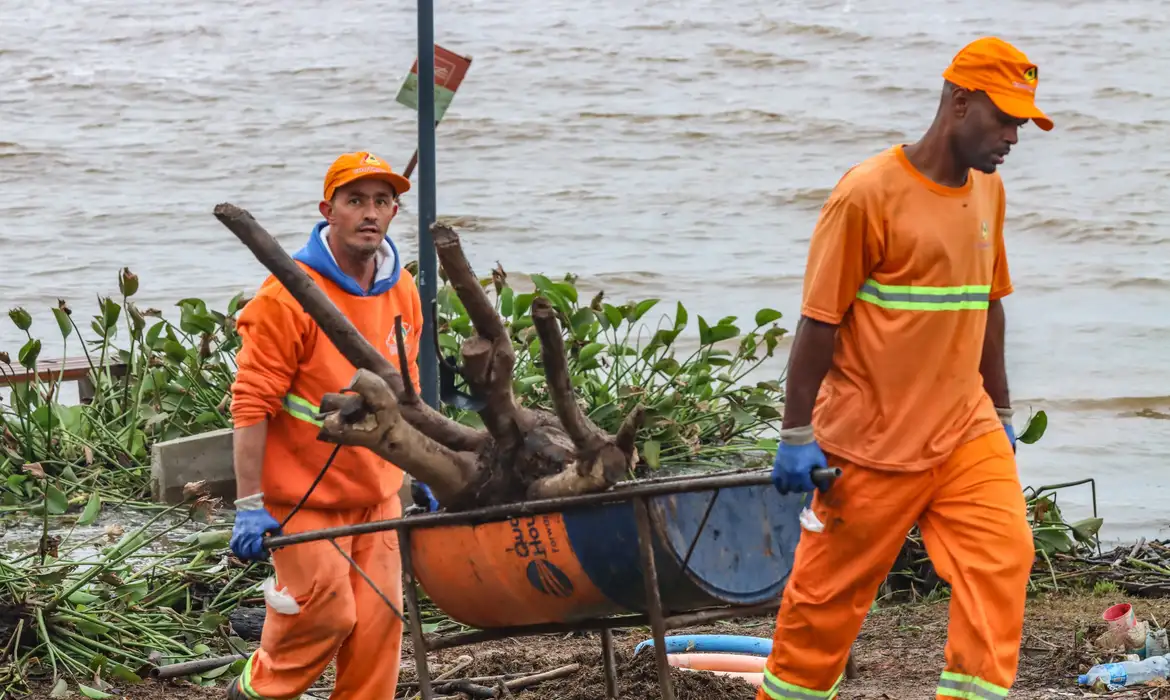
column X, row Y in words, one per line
column 103, row 587
column 899, row 654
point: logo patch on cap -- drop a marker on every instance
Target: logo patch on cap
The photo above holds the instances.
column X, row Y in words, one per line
column 372, row 159
column 1030, row 74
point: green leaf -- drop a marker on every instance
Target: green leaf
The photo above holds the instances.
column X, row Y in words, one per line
column 1086, row 530
column 211, row 621
column 194, row 318
column 62, row 321
column 111, row 311
column 29, row 353
column 216, row 672
column 541, row 282
column 1035, row 430
column 1052, row 540
column 213, row 539
column 93, row 692
column 641, row 308
column 93, row 508
column 56, row 501
column 133, row 592
column 522, row 304
column 507, row 296
column 82, row 598
column 175, row 351
column 566, row 290
column 723, row 331
column 680, row 317
column 612, row 314
column 704, row 332
column 652, row 453
column 667, row 365
column 766, row 316
column 581, row 320
column 21, row 318
column 589, row 352
column 153, row 334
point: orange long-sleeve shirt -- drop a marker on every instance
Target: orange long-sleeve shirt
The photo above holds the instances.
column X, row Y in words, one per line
column 286, row 364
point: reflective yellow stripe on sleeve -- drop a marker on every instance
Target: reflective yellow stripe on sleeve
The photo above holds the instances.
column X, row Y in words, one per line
column 915, row 298
column 301, row 409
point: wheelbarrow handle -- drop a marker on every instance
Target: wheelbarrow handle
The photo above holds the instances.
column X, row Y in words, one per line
column 823, row 477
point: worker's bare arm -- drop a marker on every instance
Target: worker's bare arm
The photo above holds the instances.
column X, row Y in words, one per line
column 993, row 366
column 248, row 454
column 809, row 362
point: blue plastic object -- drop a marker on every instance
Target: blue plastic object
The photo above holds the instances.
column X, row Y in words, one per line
column 714, row 643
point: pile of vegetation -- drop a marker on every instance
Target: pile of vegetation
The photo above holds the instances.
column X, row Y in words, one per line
column 96, row 600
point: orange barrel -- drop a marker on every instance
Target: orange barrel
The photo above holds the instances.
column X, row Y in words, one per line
column 584, row 563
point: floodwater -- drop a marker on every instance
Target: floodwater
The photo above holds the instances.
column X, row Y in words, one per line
column 671, row 149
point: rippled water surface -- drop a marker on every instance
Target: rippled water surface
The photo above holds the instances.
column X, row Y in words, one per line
column 672, row 149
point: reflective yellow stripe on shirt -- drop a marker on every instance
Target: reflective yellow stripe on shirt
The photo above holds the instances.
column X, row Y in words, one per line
column 957, row 685
column 301, row 409
column 782, row 690
column 915, row 298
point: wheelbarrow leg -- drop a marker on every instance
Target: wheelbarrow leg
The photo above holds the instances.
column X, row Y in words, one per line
column 416, row 633
column 653, row 600
column 611, row 687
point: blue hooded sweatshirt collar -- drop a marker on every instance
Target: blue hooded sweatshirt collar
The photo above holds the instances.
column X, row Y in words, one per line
column 317, row 255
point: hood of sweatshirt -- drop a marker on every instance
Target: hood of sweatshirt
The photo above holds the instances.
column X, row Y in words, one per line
column 317, row 255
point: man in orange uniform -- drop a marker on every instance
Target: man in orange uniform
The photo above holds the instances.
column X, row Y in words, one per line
column 286, row 364
column 897, row 374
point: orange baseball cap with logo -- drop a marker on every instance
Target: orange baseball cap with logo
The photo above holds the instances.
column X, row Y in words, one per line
column 354, row 166
column 1002, row 71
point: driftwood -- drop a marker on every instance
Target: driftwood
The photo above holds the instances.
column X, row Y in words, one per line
column 520, row 454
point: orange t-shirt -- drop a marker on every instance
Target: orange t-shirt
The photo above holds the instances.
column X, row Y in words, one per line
column 906, row 267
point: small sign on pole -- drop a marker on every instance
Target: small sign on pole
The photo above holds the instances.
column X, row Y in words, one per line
column 450, row 68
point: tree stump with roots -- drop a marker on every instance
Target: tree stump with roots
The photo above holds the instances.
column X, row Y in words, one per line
column 520, row 454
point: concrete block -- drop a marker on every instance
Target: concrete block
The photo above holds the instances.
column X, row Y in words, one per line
column 205, row 457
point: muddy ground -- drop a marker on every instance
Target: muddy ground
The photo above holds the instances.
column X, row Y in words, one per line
column 899, row 654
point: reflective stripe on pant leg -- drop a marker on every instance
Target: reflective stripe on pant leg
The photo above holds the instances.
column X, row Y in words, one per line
column 956, row 685
column 301, row 409
column 245, row 681
column 780, row 690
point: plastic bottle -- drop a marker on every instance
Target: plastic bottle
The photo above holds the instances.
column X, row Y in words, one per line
column 1127, row 672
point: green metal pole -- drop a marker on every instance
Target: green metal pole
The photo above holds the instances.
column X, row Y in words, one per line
column 428, row 266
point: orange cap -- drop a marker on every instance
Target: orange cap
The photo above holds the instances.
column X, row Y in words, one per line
column 353, row 166
column 1004, row 73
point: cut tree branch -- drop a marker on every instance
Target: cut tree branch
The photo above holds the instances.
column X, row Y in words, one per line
column 370, row 418
column 585, row 435
column 341, row 332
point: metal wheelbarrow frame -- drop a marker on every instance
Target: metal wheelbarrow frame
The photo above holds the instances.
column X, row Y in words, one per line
column 639, row 493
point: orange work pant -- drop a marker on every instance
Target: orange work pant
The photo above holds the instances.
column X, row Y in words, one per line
column 340, row 614
column 972, row 515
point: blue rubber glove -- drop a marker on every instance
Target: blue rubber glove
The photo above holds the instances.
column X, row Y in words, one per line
column 417, row 489
column 1005, row 417
column 253, row 521
column 796, row 457
column 433, row 503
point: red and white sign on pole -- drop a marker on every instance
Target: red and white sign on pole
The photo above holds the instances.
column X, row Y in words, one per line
column 450, row 68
